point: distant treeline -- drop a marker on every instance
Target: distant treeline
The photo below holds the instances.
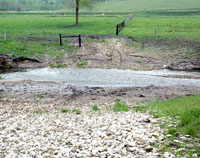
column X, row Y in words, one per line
column 31, row 5
column 25, row 5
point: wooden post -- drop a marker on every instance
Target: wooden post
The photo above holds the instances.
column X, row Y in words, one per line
column 79, row 39
column 60, row 39
column 117, row 30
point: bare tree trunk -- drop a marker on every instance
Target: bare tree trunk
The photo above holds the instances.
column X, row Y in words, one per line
column 77, row 12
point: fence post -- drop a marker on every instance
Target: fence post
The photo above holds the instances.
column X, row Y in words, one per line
column 117, row 30
column 60, row 39
column 79, row 39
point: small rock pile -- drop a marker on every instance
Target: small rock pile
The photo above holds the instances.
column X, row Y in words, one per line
column 43, row 130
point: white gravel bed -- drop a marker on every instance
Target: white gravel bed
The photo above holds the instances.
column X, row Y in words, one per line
column 25, row 132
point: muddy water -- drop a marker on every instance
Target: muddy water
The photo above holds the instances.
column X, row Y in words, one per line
column 106, row 77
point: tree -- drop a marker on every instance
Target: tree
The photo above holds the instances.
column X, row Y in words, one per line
column 77, row 12
column 82, row 3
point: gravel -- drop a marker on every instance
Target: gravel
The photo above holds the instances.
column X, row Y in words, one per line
column 41, row 129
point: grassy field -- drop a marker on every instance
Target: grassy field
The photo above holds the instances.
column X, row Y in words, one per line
column 22, row 26
column 47, row 26
column 181, row 117
column 40, row 26
column 34, row 48
column 167, row 27
column 108, row 6
column 50, row 26
column 43, row 26
column 133, row 5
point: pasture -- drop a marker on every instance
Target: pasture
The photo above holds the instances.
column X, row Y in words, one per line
column 19, row 27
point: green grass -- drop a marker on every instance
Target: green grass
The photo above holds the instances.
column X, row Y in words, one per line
column 167, row 27
column 82, row 64
column 1, row 78
column 65, row 110
column 120, row 106
column 50, row 27
column 39, row 112
column 186, row 110
column 95, row 107
column 26, row 48
column 40, row 26
column 140, row 27
column 108, row 6
column 77, row 111
column 133, row 5
column 183, row 113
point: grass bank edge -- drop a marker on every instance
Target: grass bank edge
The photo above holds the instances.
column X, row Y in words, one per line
column 179, row 117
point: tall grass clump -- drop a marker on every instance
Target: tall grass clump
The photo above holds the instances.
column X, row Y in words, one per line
column 95, row 107
column 120, row 106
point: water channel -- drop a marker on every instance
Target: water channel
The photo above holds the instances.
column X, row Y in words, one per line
column 105, row 77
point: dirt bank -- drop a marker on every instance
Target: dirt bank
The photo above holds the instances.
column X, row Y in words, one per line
column 121, row 53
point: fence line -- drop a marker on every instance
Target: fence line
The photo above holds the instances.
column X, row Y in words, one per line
column 123, row 24
column 70, row 36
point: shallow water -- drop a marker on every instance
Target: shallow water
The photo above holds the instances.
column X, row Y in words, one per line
column 105, row 77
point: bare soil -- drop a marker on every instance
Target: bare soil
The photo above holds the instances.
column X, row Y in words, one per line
column 121, row 53
column 51, row 91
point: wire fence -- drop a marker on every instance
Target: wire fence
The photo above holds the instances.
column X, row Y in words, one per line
column 123, row 24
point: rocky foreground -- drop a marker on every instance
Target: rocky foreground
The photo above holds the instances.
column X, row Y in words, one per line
column 44, row 129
